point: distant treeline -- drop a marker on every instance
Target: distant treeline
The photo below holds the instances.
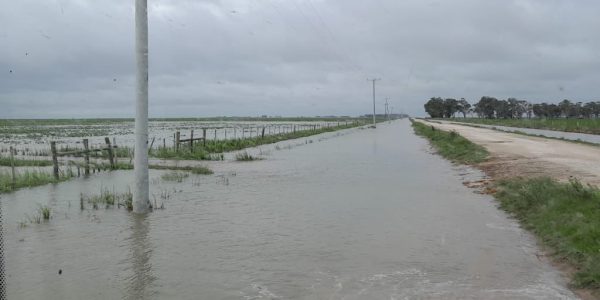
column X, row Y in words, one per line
column 511, row 108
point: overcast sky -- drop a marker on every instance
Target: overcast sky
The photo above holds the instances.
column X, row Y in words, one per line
column 75, row 58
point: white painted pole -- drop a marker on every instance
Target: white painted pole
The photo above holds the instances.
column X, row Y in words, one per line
column 374, row 79
column 141, row 191
column 374, row 123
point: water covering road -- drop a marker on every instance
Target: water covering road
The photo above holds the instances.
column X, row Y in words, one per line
column 367, row 215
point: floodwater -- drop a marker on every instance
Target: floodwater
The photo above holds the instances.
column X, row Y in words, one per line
column 370, row 214
column 572, row 136
column 38, row 137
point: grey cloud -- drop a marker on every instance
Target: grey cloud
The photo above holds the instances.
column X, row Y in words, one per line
column 295, row 57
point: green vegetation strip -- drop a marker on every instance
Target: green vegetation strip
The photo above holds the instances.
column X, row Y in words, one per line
column 591, row 126
column 214, row 148
column 451, row 145
column 32, row 178
column 28, row 179
column 7, row 162
column 566, row 217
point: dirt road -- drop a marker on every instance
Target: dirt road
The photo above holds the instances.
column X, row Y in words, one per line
column 520, row 155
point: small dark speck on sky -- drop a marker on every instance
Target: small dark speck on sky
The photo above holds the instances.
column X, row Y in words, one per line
column 561, row 88
column 10, row 71
column 114, row 80
column 234, row 11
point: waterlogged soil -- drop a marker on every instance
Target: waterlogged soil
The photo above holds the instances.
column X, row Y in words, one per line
column 34, row 140
column 369, row 214
column 520, row 155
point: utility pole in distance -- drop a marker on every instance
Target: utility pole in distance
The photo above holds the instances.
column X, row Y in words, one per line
column 141, row 193
column 373, row 80
column 387, row 112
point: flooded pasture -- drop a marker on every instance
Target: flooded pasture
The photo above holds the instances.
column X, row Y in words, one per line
column 32, row 139
column 366, row 214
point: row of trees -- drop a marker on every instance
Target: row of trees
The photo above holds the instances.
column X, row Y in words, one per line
column 511, row 108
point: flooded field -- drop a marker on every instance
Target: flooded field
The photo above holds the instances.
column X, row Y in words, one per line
column 355, row 214
column 34, row 139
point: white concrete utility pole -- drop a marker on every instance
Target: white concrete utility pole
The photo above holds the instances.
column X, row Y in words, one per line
column 387, row 115
column 141, row 193
column 374, row 79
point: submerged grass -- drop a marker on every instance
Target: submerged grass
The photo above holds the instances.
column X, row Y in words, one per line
column 108, row 198
column 244, row 156
column 7, row 162
column 566, row 217
column 451, row 145
column 202, row 170
column 29, row 178
column 174, row 176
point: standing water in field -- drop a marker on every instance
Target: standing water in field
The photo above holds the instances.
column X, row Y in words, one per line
column 367, row 215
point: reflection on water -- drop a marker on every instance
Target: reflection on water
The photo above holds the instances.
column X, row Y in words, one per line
column 140, row 281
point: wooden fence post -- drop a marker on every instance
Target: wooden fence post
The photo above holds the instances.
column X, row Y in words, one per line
column 215, row 134
column 192, row 140
column 204, row 136
column 177, row 137
column 151, row 145
column 54, row 158
column 12, row 166
column 111, row 158
column 263, row 132
column 87, row 156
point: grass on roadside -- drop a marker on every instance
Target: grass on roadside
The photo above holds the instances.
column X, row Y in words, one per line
column 566, row 217
column 451, row 145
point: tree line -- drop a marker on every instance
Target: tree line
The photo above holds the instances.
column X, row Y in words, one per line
column 511, row 108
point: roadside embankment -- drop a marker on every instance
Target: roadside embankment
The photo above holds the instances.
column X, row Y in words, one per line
column 536, row 181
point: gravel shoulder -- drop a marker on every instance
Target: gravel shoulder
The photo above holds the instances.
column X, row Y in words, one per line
column 514, row 155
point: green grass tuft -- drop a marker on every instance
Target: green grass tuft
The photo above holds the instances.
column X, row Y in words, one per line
column 244, row 156
column 174, row 176
column 44, row 211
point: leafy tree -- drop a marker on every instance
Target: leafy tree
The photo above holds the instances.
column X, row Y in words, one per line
column 450, row 107
column 464, row 107
column 486, row 107
column 435, row 107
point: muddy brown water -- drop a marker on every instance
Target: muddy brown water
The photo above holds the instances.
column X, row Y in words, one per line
column 371, row 214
